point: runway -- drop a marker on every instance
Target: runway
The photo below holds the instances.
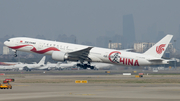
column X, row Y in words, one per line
column 89, row 92
column 36, row 87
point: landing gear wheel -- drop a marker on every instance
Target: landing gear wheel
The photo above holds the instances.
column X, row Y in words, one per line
column 84, row 67
column 92, row 67
column 15, row 55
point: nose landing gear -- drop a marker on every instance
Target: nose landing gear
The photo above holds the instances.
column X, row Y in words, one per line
column 15, row 53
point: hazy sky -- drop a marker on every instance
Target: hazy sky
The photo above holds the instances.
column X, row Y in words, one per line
column 87, row 19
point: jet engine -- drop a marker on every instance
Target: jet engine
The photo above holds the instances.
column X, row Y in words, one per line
column 59, row 56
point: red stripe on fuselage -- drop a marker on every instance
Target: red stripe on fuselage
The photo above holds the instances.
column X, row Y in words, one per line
column 45, row 50
column 17, row 47
column 35, row 50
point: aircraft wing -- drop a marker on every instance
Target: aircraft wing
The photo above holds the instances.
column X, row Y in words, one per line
column 156, row 59
column 81, row 54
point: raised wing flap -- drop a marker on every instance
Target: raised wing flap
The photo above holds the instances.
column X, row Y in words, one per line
column 81, row 54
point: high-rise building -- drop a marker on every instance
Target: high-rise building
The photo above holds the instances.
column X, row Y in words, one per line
column 114, row 46
column 5, row 50
column 142, row 47
column 102, row 41
column 151, row 33
column 128, row 31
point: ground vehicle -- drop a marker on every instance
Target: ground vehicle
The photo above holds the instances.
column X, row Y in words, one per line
column 5, row 85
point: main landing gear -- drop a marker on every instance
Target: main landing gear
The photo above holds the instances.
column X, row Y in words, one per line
column 15, row 53
column 85, row 66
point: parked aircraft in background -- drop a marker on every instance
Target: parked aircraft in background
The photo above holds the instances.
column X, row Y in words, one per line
column 9, row 63
column 11, row 67
column 26, row 67
column 61, row 51
column 64, row 65
column 68, row 65
column 29, row 67
column 50, row 66
column 58, row 66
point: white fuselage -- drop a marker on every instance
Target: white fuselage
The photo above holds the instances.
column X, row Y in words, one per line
column 49, row 66
column 18, row 66
column 96, row 54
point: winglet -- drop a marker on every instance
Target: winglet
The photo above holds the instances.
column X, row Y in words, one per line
column 159, row 48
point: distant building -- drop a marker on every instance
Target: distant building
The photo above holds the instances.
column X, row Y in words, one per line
column 5, row 50
column 115, row 46
column 151, row 34
column 102, row 41
column 128, row 31
column 144, row 46
column 171, row 49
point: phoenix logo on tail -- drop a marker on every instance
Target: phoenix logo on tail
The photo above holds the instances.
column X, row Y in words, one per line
column 160, row 48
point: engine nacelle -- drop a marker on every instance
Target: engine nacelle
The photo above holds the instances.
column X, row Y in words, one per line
column 59, row 56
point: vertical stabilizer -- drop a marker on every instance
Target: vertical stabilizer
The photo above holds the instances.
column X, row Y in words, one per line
column 159, row 48
column 42, row 61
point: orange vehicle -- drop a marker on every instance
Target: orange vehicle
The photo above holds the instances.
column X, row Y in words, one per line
column 5, row 85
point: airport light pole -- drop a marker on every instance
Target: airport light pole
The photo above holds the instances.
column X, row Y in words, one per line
column 110, row 44
column 175, row 52
column 175, row 45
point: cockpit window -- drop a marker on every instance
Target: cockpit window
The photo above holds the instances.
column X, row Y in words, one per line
column 8, row 40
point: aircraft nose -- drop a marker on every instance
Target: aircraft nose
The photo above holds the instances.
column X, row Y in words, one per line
column 6, row 43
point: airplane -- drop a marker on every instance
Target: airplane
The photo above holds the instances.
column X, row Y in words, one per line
column 96, row 65
column 58, row 66
column 49, row 66
column 68, row 65
column 61, row 51
column 11, row 66
column 22, row 66
column 9, row 63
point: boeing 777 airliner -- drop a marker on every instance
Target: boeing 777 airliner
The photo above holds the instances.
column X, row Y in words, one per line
column 86, row 54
